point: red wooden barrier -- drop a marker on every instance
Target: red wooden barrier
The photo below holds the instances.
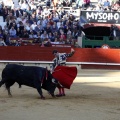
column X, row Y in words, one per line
column 45, row 53
column 29, row 53
column 37, row 53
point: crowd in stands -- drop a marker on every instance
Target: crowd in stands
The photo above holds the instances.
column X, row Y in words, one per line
column 40, row 23
column 101, row 5
column 46, row 23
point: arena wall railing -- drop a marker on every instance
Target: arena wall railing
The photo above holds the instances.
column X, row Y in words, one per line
column 79, row 65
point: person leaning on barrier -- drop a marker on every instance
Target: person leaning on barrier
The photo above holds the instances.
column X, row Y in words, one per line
column 2, row 43
column 115, row 32
column 60, row 60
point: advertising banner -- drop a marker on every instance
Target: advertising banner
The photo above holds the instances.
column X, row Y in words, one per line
column 100, row 17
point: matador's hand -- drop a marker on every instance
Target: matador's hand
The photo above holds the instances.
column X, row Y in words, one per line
column 72, row 50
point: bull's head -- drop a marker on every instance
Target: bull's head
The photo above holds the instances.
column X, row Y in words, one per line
column 50, row 83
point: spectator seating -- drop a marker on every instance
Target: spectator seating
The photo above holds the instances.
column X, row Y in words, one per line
column 30, row 42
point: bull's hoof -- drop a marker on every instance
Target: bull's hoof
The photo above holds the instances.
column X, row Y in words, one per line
column 43, row 98
column 53, row 96
column 20, row 86
column 60, row 95
column 10, row 95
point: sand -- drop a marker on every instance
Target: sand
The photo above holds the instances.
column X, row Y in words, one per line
column 94, row 95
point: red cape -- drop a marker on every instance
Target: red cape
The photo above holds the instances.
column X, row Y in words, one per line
column 65, row 75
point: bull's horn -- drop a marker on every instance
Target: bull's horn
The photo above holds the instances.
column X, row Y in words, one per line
column 53, row 80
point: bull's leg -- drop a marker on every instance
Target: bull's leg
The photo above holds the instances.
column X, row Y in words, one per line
column 8, row 85
column 20, row 86
column 38, row 87
column 9, row 92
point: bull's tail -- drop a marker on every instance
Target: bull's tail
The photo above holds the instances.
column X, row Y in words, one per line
column 2, row 82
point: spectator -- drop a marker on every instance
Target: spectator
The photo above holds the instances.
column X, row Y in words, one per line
column 2, row 43
column 21, row 26
column 69, row 35
column 106, row 5
column 75, row 35
column 19, row 34
column 51, row 22
column 56, row 35
column 38, row 11
column 1, row 8
column 8, row 3
column 33, row 6
column 39, row 36
column 56, row 40
column 48, row 3
column 38, row 28
column 115, row 32
column 71, row 17
column 51, row 37
column 86, row 3
column 1, row 29
column 5, row 29
column 1, row 34
column 56, row 18
column 67, row 3
column 44, row 22
column 39, row 21
column 18, row 19
column 6, row 38
column 17, row 43
column 24, row 33
column 30, row 21
column 14, row 25
column 100, row 3
column 48, row 28
column 59, row 23
column 98, row 8
column 54, row 28
column 48, row 43
column 116, row 6
column 34, row 25
column 27, row 26
column 29, row 12
column 55, row 4
column 18, row 12
column 44, row 36
column 79, row 3
column 5, row 13
column 46, row 12
column 32, row 35
column 62, row 37
column 12, row 32
column 24, row 5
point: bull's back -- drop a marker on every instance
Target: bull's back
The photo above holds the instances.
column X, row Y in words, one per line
column 23, row 74
column 10, row 71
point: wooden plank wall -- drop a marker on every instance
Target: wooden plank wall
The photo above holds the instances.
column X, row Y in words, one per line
column 31, row 53
column 45, row 54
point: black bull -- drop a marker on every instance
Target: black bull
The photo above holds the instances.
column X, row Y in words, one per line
column 32, row 76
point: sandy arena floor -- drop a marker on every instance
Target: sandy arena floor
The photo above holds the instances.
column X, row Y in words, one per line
column 94, row 95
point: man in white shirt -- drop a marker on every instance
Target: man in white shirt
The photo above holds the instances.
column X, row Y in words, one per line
column 33, row 6
column 34, row 25
column 24, row 6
